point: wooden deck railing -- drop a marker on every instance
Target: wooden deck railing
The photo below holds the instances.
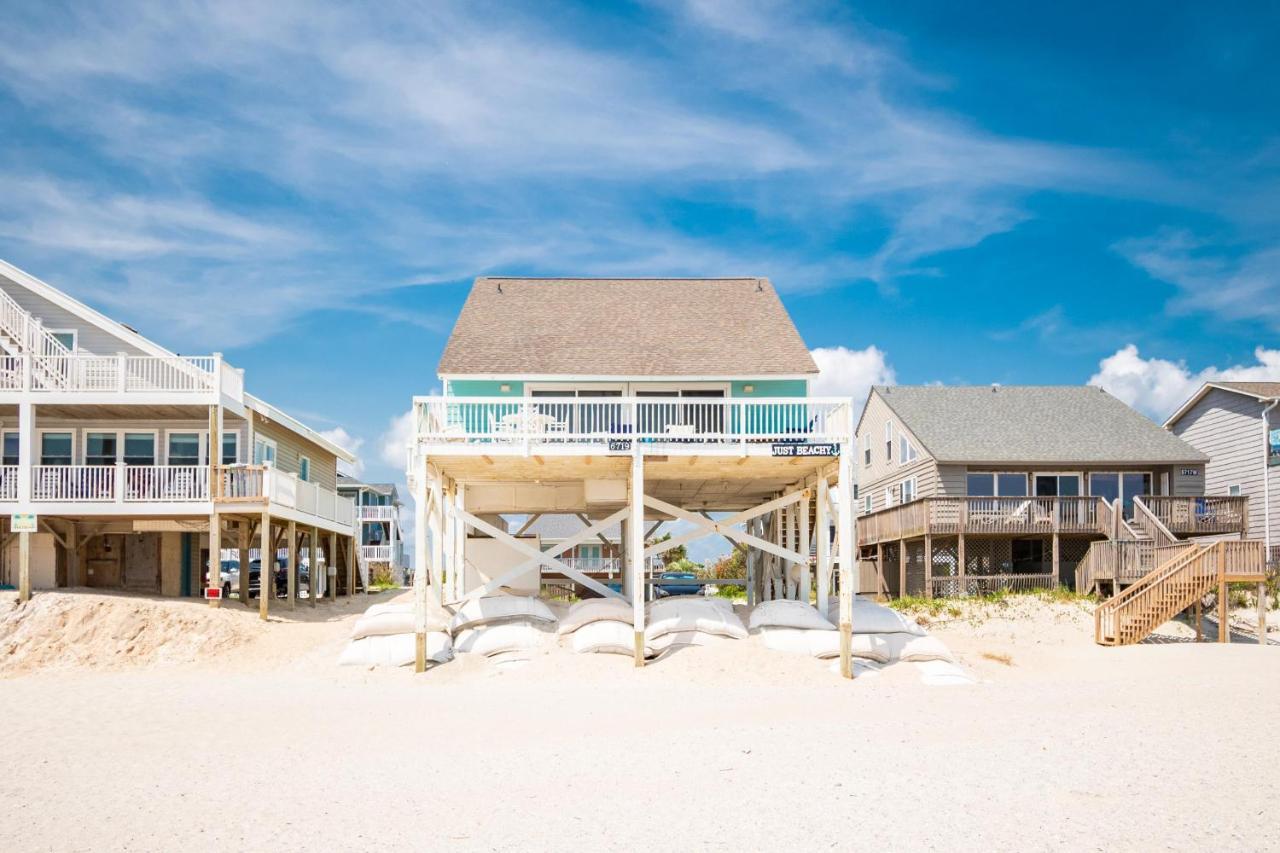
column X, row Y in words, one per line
column 985, row 515
column 1199, row 516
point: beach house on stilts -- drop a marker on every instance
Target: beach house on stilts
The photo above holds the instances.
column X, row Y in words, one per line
column 631, row 402
column 129, row 467
column 973, row 490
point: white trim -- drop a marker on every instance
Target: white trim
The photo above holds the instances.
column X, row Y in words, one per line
column 1027, row 483
column 902, row 490
column 1079, row 475
column 888, row 497
column 37, row 452
column 274, row 415
column 1239, row 490
column 75, row 337
column 868, row 503
column 1204, row 389
column 560, row 377
column 120, row 433
column 304, row 461
column 905, row 441
column 265, row 442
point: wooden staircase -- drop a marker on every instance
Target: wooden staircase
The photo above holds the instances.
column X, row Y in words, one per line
column 1173, row 586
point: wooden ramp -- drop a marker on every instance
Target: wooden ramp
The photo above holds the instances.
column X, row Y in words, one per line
column 1176, row 584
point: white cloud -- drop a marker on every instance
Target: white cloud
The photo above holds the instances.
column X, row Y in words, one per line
column 850, row 373
column 349, row 443
column 393, row 445
column 1238, row 284
column 1156, row 386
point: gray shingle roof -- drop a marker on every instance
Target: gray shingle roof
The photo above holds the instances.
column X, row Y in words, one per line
column 1033, row 424
column 625, row 327
column 1266, row 390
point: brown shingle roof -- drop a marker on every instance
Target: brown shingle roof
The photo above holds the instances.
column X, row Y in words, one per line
column 625, row 327
column 1258, row 389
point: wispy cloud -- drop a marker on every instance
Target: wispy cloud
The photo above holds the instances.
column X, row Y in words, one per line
column 281, row 144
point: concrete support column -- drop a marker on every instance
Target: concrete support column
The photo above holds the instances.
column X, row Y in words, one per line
column 419, row 480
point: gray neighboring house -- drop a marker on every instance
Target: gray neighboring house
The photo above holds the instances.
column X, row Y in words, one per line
column 1237, row 425
column 968, row 489
column 377, row 510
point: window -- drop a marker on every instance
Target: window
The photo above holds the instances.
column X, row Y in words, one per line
column 1057, row 485
column 866, row 449
column 1232, row 491
column 866, row 504
column 888, row 497
column 908, row 490
column 888, row 441
column 66, row 337
column 230, row 448
column 100, row 448
column 993, row 485
column 1122, row 486
column 1273, row 447
column 184, row 448
column 139, row 448
column 906, row 450
column 10, row 448
column 56, row 448
column 264, row 451
column 304, row 468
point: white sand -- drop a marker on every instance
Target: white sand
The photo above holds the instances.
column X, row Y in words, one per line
column 269, row 745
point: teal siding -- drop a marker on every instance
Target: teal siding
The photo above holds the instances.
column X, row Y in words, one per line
column 771, row 388
column 485, row 388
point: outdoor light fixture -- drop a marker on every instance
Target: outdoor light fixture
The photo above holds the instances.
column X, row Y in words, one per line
column 747, row 389
column 504, row 388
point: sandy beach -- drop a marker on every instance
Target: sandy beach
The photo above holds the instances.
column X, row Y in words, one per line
column 261, row 742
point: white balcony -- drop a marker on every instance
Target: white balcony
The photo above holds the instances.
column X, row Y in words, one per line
column 282, row 491
column 140, row 378
column 376, row 513
column 110, row 484
column 707, row 425
column 377, row 553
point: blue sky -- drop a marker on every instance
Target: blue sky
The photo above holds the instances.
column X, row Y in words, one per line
column 1009, row 193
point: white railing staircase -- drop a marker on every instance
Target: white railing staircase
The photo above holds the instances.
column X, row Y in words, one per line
column 21, row 333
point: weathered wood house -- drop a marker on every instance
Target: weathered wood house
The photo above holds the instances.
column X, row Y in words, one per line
column 137, row 466
column 972, row 489
column 629, row 402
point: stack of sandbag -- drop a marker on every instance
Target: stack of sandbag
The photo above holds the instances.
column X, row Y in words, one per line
column 600, row 626
column 385, row 636
column 690, row 620
column 506, row 628
column 786, row 625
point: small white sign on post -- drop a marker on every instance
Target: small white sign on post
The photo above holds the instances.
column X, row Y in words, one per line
column 23, row 522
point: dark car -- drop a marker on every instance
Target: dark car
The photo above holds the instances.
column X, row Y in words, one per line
column 679, row 583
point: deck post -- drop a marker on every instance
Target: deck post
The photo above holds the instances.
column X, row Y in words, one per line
column 215, row 548
column 291, row 566
column 435, row 523
column 1262, row 614
column 24, row 567
column 823, row 540
column 928, row 565
column 1199, row 622
column 880, row 566
column 847, row 545
column 964, row 586
column 267, row 563
column 313, row 565
column 1223, row 633
column 751, row 557
column 1057, row 557
column 351, row 565
column 331, row 565
column 635, row 552
column 902, row 567
column 806, row 578
column 242, row 537
column 460, row 543
column 447, row 550
column 419, row 480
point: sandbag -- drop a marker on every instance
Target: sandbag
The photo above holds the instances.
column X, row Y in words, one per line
column 500, row 608
column 872, row 618
column 674, row 639
column 909, row 647
column 592, row 610
column 497, row 638
column 606, row 637
column 397, row 618
column 824, row 644
column 714, row 600
column 784, row 613
column 395, row 650
column 692, row 614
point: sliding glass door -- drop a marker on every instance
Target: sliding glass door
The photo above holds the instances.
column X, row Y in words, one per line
column 1111, row 485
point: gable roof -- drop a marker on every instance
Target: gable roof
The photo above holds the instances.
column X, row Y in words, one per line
column 1032, row 424
column 1260, row 391
column 667, row 327
column 346, row 481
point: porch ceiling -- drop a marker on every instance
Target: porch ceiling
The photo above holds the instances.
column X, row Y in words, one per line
column 711, row 482
column 61, row 411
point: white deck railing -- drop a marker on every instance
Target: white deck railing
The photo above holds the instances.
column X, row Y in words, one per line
column 376, row 513
column 124, row 373
column 653, row 420
column 254, row 483
column 8, row 483
column 376, row 553
column 110, row 483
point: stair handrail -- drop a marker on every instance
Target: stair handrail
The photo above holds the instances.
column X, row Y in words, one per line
column 1195, row 560
column 1160, row 533
column 32, row 338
